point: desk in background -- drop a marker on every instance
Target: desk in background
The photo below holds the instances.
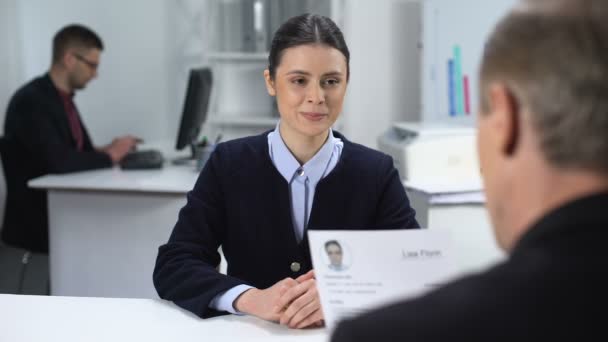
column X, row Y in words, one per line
column 68, row 319
column 459, row 209
column 105, row 227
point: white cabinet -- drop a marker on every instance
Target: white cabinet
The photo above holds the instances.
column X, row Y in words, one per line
column 240, row 104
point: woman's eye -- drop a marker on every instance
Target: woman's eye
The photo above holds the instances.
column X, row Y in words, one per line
column 331, row 82
column 298, row 81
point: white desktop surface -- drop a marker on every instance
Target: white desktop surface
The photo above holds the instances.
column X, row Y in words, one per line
column 105, row 227
column 169, row 179
column 67, row 319
column 459, row 208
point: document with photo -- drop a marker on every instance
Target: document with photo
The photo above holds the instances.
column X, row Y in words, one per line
column 359, row 270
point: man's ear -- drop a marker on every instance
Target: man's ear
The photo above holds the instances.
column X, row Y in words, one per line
column 506, row 112
column 269, row 83
column 68, row 59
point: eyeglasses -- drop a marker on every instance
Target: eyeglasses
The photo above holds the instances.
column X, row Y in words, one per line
column 91, row 65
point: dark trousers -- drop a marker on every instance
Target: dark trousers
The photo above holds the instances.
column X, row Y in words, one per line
column 19, row 276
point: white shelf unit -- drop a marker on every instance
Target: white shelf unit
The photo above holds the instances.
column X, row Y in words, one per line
column 240, row 105
column 254, row 57
column 231, row 119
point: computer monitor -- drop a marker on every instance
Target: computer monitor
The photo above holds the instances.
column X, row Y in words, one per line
column 195, row 108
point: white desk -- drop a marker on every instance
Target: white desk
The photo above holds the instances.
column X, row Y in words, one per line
column 105, row 227
column 459, row 209
column 67, row 319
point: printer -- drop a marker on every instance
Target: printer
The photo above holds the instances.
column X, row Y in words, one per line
column 432, row 151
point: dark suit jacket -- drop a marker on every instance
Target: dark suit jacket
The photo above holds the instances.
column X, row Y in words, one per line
column 37, row 141
column 242, row 203
column 553, row 287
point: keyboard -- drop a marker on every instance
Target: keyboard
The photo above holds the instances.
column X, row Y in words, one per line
column 142, row 160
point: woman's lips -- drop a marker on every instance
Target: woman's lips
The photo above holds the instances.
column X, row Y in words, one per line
column 312, row 116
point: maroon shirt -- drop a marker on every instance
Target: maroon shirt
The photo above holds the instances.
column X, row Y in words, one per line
column 73, row 118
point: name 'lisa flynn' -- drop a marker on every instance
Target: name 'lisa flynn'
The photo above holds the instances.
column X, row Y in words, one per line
column 420, row 254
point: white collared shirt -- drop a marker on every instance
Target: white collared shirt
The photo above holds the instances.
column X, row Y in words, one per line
column 303, row 179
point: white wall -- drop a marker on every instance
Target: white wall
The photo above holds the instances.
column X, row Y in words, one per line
column 143, row 71
column 10, row 70
column 385, row 67
column 466, row 23
column 131, row 94
column 10, row 57
column 382, row 39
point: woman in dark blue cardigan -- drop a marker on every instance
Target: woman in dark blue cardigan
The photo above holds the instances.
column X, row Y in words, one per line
column 257, row 196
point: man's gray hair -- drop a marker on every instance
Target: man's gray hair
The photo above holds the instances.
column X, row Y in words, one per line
column 553, row 56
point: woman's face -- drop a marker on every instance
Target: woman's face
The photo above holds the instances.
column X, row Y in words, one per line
column 309, row 84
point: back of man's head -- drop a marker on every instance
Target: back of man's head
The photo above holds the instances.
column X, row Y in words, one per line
column 74, row 36
column 553, row 56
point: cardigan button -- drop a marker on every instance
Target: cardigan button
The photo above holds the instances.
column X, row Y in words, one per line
column 295, row 266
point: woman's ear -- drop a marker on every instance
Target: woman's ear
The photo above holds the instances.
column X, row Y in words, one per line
column 269, row 83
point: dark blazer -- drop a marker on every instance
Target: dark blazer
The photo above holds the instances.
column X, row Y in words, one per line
column 242, row 203
column 553, row 287
column 37, row 141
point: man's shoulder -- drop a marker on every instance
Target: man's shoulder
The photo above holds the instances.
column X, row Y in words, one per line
column 37, row 88
column 437, row 315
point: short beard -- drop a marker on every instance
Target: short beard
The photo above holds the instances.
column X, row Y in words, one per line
column 75, row 85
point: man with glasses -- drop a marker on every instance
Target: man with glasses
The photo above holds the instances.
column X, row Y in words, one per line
column 44, row 133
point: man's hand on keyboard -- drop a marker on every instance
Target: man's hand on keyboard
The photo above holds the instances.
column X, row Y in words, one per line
column 120, row 146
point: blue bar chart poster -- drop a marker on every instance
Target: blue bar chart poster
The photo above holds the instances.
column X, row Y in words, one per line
column 459, row 102
column 455, row 31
